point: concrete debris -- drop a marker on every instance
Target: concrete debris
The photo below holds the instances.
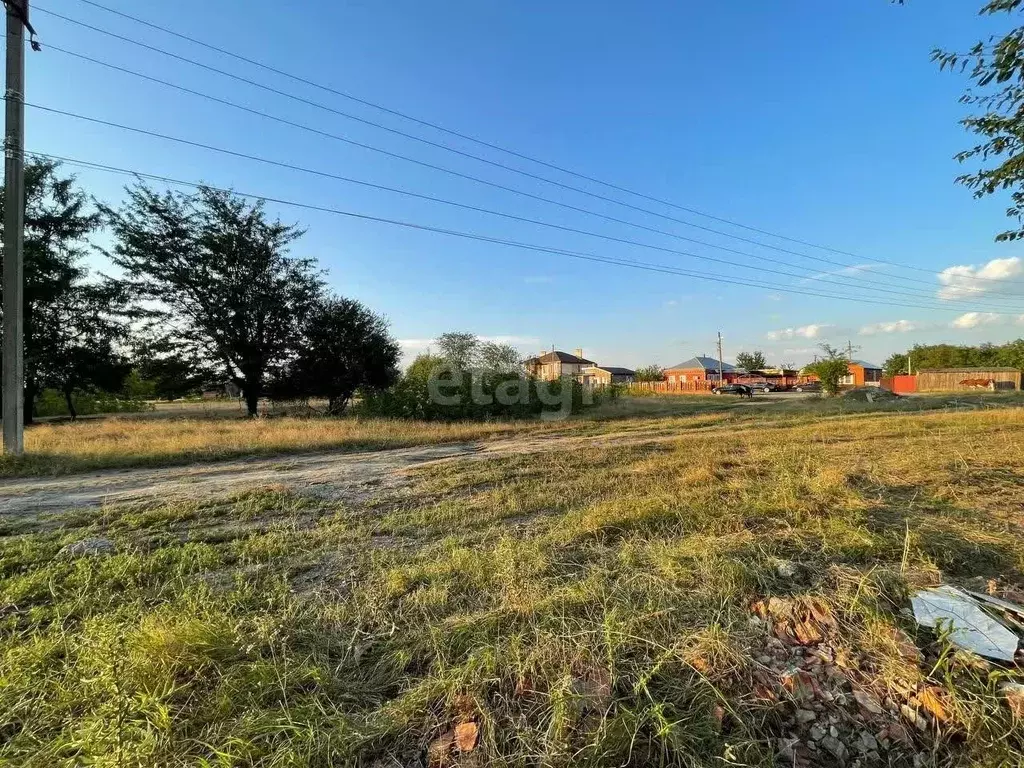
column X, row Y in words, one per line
column 88, row 548
column 869, row 394
column 868, row 701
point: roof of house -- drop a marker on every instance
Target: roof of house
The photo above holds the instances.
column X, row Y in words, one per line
column 615, row 371
column 705, row 363
column 560, row 357
column 865, row 364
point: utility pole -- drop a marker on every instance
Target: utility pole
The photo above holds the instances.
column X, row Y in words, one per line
column 14, row 226
column 719, row 357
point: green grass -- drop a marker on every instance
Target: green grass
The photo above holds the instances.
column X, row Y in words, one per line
column 591, row 607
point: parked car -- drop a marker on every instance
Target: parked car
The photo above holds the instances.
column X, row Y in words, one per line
column 808, row 386
column 764, row 386
column 733, row 389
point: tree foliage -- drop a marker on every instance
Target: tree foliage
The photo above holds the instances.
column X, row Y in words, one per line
column 342, row 347
column 217, row 272
column 830, row 369
column 171, row 369
column 83, row 342
column 653, row 372
column 996, row 70
column 1010, row 355
column 74, row 326
column 752, row 361
column 466, row 351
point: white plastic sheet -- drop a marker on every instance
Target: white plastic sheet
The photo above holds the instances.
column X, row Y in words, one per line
column 970, row 626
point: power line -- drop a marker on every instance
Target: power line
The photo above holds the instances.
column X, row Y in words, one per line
column 467, row 137
column 465, row 206
column 469, row 155
column 647, row 266
column 496, row 185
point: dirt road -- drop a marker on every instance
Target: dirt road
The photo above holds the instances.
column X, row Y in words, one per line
column 329, row 475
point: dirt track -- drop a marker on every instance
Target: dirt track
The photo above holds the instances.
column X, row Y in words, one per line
column 327, row 474
column 330, row 475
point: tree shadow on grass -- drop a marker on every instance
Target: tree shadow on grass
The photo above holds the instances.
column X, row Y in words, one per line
column 961, row 541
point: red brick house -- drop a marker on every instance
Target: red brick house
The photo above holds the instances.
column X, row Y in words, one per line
column 700, row 369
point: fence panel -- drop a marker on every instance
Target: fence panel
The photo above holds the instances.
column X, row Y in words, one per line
column 902, row 384
column 673, row 388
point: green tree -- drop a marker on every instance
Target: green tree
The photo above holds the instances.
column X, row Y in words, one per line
column 830, row 370
column 996, row 71
column 83, row 335
column 172, row 369
column 895, row 364
column 497, row 357
column 458, row 348
column 465, row 351
column 651, row 372
column 343, row 347
column 72, row 325
column 217, row 272
column 752, row 361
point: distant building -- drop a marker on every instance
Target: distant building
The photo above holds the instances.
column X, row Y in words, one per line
column 862, row 374
column 603, row 375
column 700, row 369
column 550, row 366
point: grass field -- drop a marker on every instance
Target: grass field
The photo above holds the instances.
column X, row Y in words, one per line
column 201, row 432
column 704, row 584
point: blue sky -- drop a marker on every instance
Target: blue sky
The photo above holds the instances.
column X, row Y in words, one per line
column 825, row 122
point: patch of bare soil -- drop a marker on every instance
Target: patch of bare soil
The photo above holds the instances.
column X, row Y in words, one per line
column 335, row 476
column 354, row 477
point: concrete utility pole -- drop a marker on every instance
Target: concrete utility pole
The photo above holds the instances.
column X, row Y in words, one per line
column 14, row 226
column 719, row 357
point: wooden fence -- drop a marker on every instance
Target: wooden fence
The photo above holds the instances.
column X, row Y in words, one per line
column 673, row 388
column 965, row 379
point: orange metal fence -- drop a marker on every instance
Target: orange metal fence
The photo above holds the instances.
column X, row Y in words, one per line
column 901, row 385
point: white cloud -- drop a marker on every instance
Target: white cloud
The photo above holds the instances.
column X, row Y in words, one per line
column 967, row 280
column 812, row 331
column 854, row 269
column 896, row 326
column 671, row 303
column 774, row 297
column 976, row 319
column 415, row 345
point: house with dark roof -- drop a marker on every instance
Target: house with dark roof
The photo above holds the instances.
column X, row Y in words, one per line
column 553, row 365
column 603, row 375
column 700, row 369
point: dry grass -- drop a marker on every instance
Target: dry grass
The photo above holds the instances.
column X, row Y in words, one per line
column 133, row 441
column 205, row 432
column 590, row 607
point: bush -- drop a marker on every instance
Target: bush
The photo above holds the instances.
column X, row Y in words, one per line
column 830, row 370
column 51, row 403
column 433, row 390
